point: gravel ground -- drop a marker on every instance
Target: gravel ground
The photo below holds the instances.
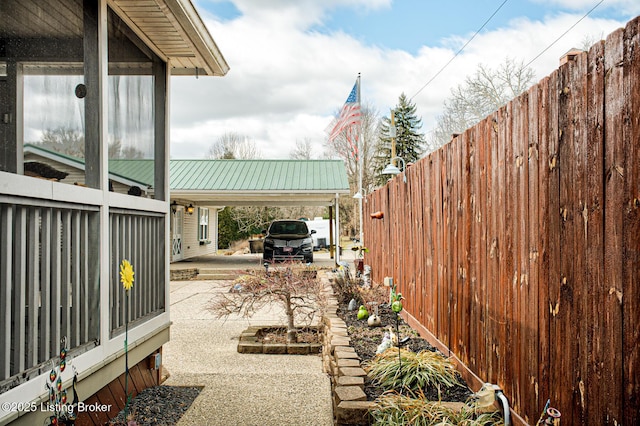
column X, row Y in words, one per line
column 159, row 405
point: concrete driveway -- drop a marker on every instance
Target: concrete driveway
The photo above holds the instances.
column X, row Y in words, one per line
column 239, row 389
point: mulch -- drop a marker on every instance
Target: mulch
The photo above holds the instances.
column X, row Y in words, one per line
column 159, row 406
column 365, row 341
column 279, row 335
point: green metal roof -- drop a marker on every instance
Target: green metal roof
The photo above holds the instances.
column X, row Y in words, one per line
column 259, row 175
column 138, row 170
column 242, row 175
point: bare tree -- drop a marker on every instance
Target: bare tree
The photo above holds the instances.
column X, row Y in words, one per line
column 117, row 151
column 131, row 153
column 589, row 40
column 302, row 151
column 480, row 94
column 299, row 293
column 65, row 141
column 251, row 218
column 233, row 145
column 349, row 146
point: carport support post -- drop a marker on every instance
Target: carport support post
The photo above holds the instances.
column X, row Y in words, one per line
column 337, row 243
column 331, row 247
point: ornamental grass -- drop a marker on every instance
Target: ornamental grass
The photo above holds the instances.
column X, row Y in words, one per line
column 397, row 409
column 406, row 371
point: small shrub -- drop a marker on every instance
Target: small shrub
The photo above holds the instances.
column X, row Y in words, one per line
column 376, row 294
column 397, row 409
column 301, row 296
column 404, row 370
column 346, row 288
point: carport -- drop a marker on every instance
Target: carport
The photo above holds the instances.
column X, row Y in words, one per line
column 218, row 183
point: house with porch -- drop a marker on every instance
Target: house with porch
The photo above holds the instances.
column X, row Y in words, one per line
column 199, row 189
column 86, row 79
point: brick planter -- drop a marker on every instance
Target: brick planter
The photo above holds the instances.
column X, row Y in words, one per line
column 183, row 274
column 248, row 344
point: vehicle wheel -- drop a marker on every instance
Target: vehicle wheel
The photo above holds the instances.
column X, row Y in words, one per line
column 308, row 259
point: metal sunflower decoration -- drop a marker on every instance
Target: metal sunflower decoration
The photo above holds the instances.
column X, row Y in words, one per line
column 126, row 278
column 126, row 274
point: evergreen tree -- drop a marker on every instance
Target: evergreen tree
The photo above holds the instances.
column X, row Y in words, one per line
column 409, row 142
column 228, row 229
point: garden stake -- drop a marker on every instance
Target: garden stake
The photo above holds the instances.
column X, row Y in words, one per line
column 398, row 335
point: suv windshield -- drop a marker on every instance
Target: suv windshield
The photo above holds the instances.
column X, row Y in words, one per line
column 288, row 228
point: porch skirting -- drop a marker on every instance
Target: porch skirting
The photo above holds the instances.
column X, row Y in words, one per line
column 104, row 386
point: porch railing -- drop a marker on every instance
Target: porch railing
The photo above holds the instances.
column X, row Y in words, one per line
column 50, row 279
column 49, row 283
column 138, row 237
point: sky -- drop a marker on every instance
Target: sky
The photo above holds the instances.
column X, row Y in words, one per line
column 294, row 62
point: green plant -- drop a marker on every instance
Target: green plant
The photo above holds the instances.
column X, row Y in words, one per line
column 395, row 297
column 397, row 409
column 361, row 250
column 405, row 370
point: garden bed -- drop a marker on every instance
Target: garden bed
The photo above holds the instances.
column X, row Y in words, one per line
column 399, row 386
column 365, row 341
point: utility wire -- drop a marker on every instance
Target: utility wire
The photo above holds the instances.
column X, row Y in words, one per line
column 563, row 34
column 461, row 49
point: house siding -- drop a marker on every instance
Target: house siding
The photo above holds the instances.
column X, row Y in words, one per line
column 191, row 245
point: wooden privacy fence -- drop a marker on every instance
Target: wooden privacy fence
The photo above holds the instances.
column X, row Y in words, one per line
column 517, row 245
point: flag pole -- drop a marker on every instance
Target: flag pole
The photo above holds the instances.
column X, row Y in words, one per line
column 360, row 165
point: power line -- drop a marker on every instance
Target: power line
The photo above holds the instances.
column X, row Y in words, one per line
column 461, row 49
column 563, row 34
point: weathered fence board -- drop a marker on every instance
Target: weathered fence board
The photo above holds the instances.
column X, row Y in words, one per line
column 517, row 244
column 593, row 217
column 631, row 223
column 613, row 231
column 533, row 337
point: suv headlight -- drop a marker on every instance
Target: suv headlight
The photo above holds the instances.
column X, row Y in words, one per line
column 307, row 241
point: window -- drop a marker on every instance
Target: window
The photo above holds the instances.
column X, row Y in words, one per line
column 203, row 224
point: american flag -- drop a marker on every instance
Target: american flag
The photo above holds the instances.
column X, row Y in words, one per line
column 349, row 115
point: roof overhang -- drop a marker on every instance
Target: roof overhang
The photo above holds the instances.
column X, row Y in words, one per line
column 79, row 164
column 174, row 30
column 260, row 198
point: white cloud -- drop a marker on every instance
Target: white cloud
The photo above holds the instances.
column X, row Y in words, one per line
column 630, row 7
column 286, row 81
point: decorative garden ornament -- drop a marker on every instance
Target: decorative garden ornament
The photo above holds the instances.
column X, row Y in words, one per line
column 363, row 313
column 352, row 305
column 374, row 319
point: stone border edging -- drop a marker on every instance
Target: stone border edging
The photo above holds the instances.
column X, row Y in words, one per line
column 342, row 363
